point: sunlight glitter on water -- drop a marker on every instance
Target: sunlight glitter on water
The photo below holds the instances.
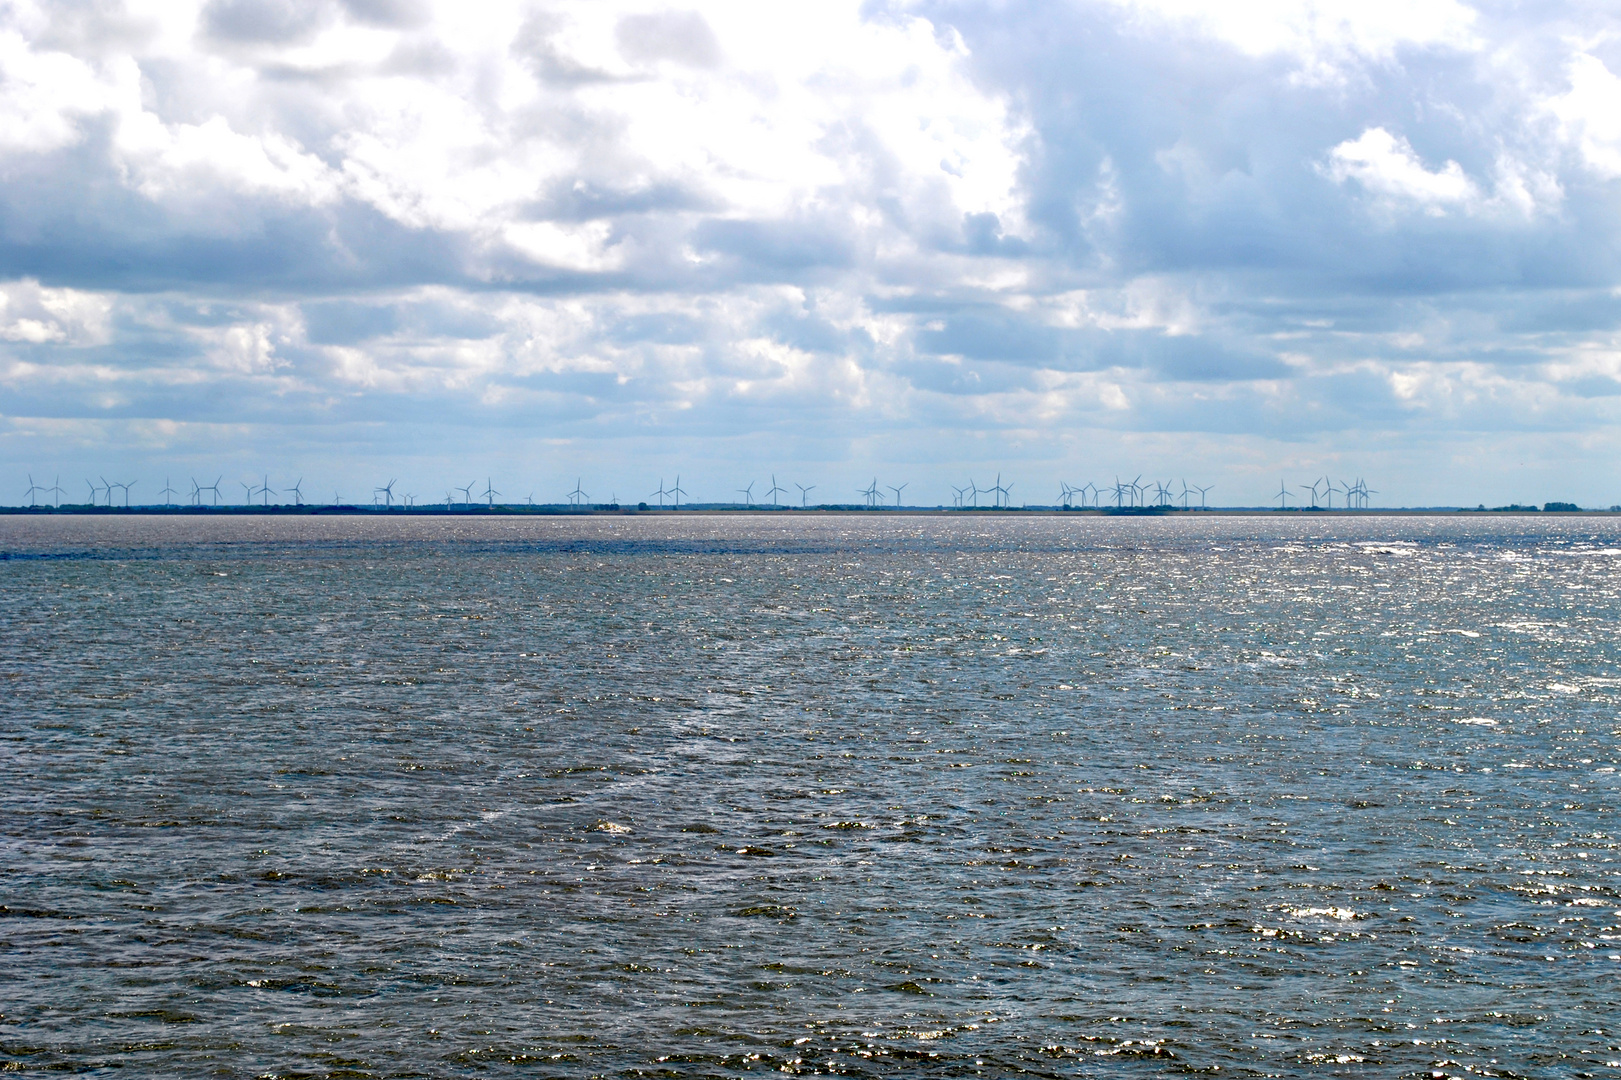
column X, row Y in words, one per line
column 858, row 795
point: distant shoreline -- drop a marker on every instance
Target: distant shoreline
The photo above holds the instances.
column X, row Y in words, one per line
column 705, row 510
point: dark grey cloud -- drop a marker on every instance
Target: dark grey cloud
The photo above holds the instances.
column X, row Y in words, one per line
column 680, row 36
column 394, row 14
column 537, row 46
column 777, row 248
column 347, row 322
column 265, row 22
column 584, row 200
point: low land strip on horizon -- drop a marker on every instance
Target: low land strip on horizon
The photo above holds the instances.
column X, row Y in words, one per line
column 726, row 509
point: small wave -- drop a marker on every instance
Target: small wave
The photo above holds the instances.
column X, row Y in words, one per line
column 1342, row 914
column 1478, row 721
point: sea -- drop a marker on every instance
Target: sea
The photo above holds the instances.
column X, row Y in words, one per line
column 1297, row 795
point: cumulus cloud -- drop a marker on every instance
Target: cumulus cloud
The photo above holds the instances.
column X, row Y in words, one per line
column 1386, row 166
column 910, row 224
column 1590, row 114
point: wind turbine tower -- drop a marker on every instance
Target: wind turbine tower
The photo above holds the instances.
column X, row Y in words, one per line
column 1001, row 495
column 775, row 490
column 803, row 492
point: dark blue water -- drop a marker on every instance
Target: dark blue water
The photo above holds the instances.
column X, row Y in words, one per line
column 712, row 796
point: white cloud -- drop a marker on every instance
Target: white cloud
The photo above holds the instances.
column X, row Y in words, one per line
column 1323, row 33
column 1590, row 114
column 806, row 221
column 36, row 315
column 1386, row 167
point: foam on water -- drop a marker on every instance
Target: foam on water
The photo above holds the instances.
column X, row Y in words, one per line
column 714, row 796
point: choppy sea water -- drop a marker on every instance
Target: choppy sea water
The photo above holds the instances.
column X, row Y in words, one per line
column 870, row 796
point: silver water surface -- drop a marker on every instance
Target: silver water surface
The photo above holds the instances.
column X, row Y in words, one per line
column 709, row 796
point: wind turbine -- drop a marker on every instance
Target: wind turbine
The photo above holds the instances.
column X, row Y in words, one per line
column 1185, row 492
column 167, row 491
column 999, row 493
column 296, row 491
column 772, row 494
column 1282, row 496
column 676, row 491
column 490, row 493
column 467, row 494
column 214, row 487
column 1313, row 490
column 93, row 490
column 1066, row 494
column 661, row 493
column 973, row 493
column 32, row 487
column 386, row 491
column 247, row 494
column 747, row 493
column 578, row 495
column 126, row 488
column 804, row 491
column 1203, row 491
column 871, row 493
column 56, row 489
column 264, row 489
column 897, row 491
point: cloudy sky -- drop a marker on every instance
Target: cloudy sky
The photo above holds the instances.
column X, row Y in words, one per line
column 535, row 241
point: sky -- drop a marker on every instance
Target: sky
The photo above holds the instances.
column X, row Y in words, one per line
column 542, row 243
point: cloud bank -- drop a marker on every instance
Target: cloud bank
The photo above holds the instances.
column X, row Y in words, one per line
column 357, row 237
